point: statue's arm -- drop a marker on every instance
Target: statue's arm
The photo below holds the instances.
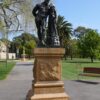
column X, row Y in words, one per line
column 55, row 14
column 35, row 9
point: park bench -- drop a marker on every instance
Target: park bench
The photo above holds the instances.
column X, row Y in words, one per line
column 90, row 71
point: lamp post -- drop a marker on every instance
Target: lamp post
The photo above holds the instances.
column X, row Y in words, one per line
column 23, row 55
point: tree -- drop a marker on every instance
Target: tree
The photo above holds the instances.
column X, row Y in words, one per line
column 80, row 31
column 11, row 14
column 16, row 15
column 29, row 47
column 64, row 29
column 24, row 43
column 9, row 19
column 5, row 41
column 73, row 49
column 89, row 44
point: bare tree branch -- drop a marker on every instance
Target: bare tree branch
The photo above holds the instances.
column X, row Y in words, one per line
column 12, row 11
column 5, row 16
column 16, row 18
column 15, row 31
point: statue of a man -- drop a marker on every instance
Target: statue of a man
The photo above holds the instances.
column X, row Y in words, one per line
column 41, row 12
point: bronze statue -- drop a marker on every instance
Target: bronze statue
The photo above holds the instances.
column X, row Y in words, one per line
column 52, row 36
column 47, row 35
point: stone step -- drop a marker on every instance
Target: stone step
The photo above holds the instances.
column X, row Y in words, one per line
column 48, row 87
column 49, row 84
column 56, row 96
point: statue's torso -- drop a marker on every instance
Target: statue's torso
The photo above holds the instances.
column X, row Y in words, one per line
column 43, row 10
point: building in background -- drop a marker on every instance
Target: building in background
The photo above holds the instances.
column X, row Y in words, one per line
column 3, row 52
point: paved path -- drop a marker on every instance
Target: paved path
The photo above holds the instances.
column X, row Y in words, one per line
column 17, row 84
column 82, row 90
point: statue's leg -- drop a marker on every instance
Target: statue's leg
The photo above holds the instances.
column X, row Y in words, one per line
column 43, row 28
column 39, row 31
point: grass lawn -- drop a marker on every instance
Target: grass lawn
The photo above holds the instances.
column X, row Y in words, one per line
column 71, row 68
column 4, row 70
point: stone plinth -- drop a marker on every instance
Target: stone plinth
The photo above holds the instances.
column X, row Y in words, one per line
column 47, row 84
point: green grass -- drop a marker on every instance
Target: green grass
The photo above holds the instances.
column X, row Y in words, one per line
column 4, row 70
column 71, row 68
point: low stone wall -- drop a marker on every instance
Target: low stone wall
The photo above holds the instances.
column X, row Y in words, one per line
column 10, row 55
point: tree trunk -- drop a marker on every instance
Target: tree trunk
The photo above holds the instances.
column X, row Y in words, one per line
column 92, row 59
column 65, row 56
column 71, row 57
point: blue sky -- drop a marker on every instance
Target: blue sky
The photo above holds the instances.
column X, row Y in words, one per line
column 80, row 12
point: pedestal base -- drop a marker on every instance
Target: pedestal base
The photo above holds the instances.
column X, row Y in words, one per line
column 47, row 84
column 48, row 87
column 47, row 91
column 56, row 96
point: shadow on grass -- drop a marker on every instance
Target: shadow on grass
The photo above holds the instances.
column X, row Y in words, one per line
column 87, row 82
column 80, row 62
column 77, row 62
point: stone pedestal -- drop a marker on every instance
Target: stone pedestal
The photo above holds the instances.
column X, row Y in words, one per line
column 23, row 57
column 47, row 84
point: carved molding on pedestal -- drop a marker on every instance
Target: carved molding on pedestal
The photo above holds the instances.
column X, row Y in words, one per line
column 49, row 70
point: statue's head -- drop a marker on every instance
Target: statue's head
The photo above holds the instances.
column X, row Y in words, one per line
column 46, row 1
column 52, row 7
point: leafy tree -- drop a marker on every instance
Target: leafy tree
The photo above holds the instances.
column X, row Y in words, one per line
column 79, row 31
column 25, row 42
column 29, row 47
column 98, row 53
column 73, row 49
column 89, row 44
column 64, row 29
column 9, row 18
column 5, row 41
column 15, row 15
